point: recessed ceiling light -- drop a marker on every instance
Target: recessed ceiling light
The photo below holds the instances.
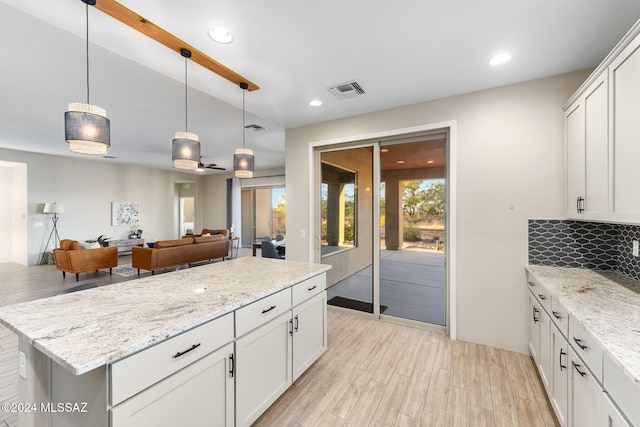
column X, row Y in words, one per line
column 400, row 162
column 430, row 161
column 315, row 103
column 500, row 59
column 384, row 150
column 220, row 35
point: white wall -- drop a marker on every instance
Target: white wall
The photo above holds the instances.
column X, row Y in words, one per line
column 509, row 154
column 87, row 187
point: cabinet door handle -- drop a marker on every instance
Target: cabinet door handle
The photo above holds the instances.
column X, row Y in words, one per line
column 296, row 324
column 575, row 366
column 542, row 297
column 268, row 309
column 232, row 365
column 556, row 315
column 562, row 353
column 181, row 353
column 312, row 288
column 291, row 327
column 580, row 204
column 579, row 342
column 535, row 317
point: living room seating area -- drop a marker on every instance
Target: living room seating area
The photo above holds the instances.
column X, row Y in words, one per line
column 189, row 249
column 72, row 258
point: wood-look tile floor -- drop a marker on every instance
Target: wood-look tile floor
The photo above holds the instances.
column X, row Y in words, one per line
column 382, row 374
column 373, row 374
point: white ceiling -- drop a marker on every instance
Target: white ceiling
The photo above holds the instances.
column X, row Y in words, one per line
column 401, row 52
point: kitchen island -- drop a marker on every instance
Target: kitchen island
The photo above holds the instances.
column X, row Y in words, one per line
column 128, row 342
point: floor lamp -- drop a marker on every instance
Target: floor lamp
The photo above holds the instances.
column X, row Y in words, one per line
column 55, row 209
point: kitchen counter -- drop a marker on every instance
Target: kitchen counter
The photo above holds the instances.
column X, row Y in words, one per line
column 84, row 330
column 606, row 303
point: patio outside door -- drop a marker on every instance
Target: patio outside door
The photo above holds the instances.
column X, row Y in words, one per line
column 346, row 226
column 382, row 214
column 412, row 229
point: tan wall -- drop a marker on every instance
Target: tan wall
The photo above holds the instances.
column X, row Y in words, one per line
column 509, row 154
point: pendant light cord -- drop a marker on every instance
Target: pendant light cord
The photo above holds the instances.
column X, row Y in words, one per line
column 186, row 129
column 243, row 128
column 87, row 48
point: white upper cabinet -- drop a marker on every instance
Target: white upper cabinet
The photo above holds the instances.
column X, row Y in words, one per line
column 602, row 139
column 624, row 153
column 586, row 124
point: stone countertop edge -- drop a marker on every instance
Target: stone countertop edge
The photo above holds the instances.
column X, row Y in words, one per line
column 85, row 330
column 600, row 301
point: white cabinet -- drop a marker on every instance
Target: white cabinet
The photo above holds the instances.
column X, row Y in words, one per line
column 278, row 338
column 587, row 168
column 624, row 154
column 559, row 382
column 539, row 339
column 585, row 395
column 611, row 416
column 264, row 368
column 309, row 333
column 199, row 395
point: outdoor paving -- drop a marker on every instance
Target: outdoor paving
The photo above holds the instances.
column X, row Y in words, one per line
column 412, row 285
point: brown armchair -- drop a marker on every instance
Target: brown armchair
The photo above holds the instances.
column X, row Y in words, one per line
column 70, row 257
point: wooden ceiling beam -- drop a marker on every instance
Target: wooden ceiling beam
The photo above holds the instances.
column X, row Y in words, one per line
column 148, row 28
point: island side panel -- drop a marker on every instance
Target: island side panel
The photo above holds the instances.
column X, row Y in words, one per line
column 33, row 387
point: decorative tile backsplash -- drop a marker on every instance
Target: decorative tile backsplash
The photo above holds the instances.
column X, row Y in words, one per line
column 565, row 243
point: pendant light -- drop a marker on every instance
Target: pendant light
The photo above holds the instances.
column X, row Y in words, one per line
column 186, row 147
column 243, row 158
column 86, row 126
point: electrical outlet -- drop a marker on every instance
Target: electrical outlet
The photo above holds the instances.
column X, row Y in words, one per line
column 634, row 247
column 38, row 224
column 22, row 364
column 302, row 234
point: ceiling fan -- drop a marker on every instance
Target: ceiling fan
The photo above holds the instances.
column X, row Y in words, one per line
column 202, row 166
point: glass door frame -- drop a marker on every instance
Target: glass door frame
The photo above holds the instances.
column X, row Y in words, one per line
column 375, row 232
column 371, row 139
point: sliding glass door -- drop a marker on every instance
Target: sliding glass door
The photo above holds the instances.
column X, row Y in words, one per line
column 345, row 229
column 382, row 209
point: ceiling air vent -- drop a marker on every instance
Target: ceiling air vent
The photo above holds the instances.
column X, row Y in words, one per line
column 255, row 128
column 347, row 90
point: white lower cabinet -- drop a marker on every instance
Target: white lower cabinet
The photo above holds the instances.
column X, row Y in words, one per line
column 539, row 339
column 309, row 333
column 272, row 356
column 559, row 384
column 264, row 368
column 585, row 395
column 611, row 416
column 201, row 394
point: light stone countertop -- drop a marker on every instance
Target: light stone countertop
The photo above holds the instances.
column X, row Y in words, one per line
column 606, row 303
column 85, row 330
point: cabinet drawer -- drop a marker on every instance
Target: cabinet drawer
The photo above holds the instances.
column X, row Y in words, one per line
column 262, row 311
column 310, row 287
column 586, row 347
column 141, row 370
column 623, row 390
column 560, row 316
column 539, row 291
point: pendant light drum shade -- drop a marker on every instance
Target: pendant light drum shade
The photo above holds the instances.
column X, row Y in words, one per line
column 87, row 129
column 243, row 163
column 186, row 150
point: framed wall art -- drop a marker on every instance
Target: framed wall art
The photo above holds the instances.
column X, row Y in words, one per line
column 125, row 213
